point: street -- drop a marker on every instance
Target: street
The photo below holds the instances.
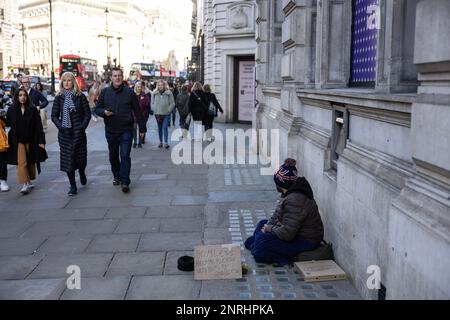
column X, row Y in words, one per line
column 127, row 245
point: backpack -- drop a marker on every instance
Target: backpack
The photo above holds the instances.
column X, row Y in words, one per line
column 3, row 138
column 323, row 252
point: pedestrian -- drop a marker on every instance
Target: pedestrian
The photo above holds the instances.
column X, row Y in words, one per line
column 182, row 104
column 144, row 99
column 175, row 92
column 71, row 115
column 213, row 104
column 294, row 227
column 3, row 150
column 26, row 139
column 42, row 111
column 16, row 85
column 37, row 100
column 162, row 105
column 93, row 94
column 116, row 106
column 197, row 108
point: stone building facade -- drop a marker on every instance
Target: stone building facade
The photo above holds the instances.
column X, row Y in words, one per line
column 360, row 91
column 226, row 36
column 11, row 41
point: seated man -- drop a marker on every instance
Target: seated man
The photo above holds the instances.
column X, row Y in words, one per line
column 294, row 227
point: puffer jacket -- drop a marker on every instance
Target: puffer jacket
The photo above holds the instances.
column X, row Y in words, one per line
column 162, row 104
column 297, row 215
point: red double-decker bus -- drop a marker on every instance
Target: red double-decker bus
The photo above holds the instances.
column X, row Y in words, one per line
column 84, row 69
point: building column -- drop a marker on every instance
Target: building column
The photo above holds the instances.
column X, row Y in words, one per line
column 419, row 220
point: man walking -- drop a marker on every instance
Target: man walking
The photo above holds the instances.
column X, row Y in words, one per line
column 116, row 105
column 38, row 100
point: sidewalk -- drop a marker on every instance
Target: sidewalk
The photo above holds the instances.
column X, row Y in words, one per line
column 127, row 245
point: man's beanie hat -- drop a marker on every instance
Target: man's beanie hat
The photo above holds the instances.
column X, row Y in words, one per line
column 286, row 175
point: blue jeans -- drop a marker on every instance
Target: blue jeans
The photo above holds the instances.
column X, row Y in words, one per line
column 164, row 126
column 266, row 247
column 119, row 145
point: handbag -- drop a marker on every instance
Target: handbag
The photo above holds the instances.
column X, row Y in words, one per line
column 212, row 109
column 159, row 118
column 4, row 145
column 323, row 252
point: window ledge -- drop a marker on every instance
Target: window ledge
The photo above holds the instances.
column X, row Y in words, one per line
column 331, row 174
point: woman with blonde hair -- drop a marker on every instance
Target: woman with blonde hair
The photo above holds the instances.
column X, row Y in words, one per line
column 71, row 115
column 213, row 104
column 162, row 104
column 144, row 99
column 197, row 108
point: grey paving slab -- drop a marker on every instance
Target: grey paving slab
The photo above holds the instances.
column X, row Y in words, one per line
column 14, row 228
column 17, row 267
column 189, row 200
column 175, row 191
column 65, row 244
column 59, row 228
column 78, row 214
column 114, row 243
column 141, row 263
column 174, row 212
column 139, row 225
column 94, row 226
column 171, row 264
column 169, row 241
column 36, row 289
column 120, row 213
column 20, row 246
column 108, row 201
column 27, row 205
column 181, row 225
column 216, row 236
column 55, row 265
column 147, row 201
column 163, row 288
column 242, row 196
column 153, row 177
column 113, row 288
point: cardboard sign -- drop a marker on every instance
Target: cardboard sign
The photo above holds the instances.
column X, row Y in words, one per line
column 322, row 270
column 217, row 262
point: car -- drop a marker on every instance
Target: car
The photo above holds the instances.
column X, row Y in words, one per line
column 6, row 85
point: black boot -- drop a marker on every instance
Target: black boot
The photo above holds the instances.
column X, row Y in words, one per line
column 83, row 179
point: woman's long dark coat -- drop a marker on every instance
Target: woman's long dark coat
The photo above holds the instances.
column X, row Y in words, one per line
column 197, row 105
column 33, row 121
column 72, row 142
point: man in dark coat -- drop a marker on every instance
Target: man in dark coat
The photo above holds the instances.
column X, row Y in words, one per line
column 294, row 227
column 116, row 106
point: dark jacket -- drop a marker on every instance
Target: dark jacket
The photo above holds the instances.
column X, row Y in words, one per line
column 197, row 105
column 211, row 97
column 72, row 142
column 38, row 99
column 123, row 102
column 182, row 103
column 297, row 215
column 144, row 103
column 33, row 121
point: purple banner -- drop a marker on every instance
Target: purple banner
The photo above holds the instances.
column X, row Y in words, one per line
column 364, row 40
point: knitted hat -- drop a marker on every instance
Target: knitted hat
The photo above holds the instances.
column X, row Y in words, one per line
column 286, row 175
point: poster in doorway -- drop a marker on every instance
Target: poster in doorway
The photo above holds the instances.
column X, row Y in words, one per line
column 246, row 100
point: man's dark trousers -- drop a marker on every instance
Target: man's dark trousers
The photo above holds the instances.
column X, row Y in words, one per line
column 119, row 145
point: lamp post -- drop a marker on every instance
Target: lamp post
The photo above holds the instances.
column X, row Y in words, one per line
column 23, row 46
column 107, row 36
column 52, row 89
column 120, row 61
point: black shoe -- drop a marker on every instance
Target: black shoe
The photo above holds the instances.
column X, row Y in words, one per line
column 73, row 191
column 167, row 146
column 116, row 182
column 139, row 145
column 125, row 188
column 160, row 145
column 83, row 179
column 134, row 145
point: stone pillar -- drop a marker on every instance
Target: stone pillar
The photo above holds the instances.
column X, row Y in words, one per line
column 419, row 224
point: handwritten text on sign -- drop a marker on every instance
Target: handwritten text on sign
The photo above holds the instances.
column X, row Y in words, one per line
column 217, row 262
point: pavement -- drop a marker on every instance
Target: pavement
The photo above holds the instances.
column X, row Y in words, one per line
column 127, row 245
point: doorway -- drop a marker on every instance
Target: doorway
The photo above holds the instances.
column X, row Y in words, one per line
column 244, row 87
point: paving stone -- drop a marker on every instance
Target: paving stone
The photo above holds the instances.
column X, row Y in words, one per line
column 189, row 200
column 137, row 264
column 114, row 243
column 13, row 229
column 78, row 214
column 55, row 265
column 153, row 177
column 17, row 267
column 148, row 201
column 141, row 225
column 242, row 196
column 171, row 263
column 163, row 288
column 19, row 246
column 65, row 244
column 181, row 225
column 169, row 241
column 38, row 289
column 174, row 212
column 113, row 288
column 121, row 213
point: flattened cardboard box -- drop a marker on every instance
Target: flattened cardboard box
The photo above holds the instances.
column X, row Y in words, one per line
column 217, row 262
column 322, row 270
